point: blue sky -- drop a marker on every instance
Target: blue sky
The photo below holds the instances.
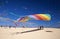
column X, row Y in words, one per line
column 15, row 9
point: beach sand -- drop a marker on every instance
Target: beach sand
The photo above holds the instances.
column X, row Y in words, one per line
column 29, row 33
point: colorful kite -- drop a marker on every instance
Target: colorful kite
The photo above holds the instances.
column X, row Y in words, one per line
column 45, row 17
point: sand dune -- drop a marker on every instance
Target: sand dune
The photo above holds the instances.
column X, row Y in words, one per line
column 29, row 33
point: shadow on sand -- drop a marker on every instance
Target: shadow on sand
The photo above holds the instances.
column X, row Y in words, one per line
column 26, row 31
column 30, row 31
column 49, row 31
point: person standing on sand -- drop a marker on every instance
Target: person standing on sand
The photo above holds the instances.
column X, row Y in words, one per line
column 1, row 25
column 41, row 27
column 23, row 26
column 9, row 26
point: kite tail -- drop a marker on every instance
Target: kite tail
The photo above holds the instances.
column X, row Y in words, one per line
column 15, row 23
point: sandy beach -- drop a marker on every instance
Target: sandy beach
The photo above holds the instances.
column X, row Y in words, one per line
column 29, row 33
